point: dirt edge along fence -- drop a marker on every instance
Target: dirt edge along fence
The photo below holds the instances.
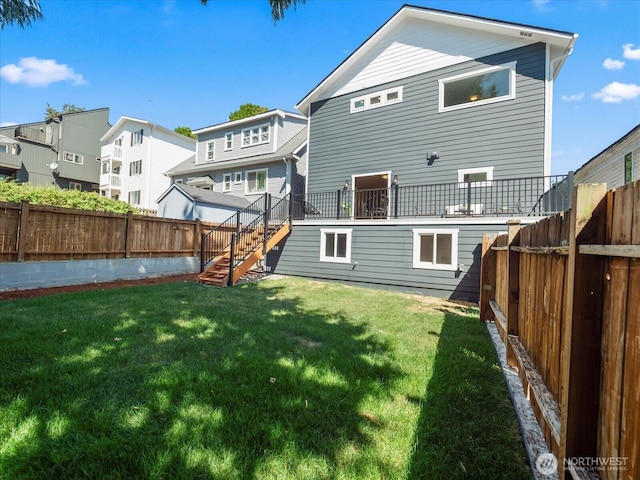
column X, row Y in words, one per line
column 564, row 294
column 41, row 233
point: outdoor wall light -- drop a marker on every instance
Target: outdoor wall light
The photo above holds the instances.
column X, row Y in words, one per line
column 394, row 182
column 432, row 156
column 346, row 185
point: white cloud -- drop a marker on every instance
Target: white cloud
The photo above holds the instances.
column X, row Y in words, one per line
column 573, row 98
column 540, row 4
column 617, row 92
column 630, row 53
column 611, row 64
column 39, row 72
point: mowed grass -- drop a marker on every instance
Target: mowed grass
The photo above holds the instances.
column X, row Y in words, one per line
column 280, row 379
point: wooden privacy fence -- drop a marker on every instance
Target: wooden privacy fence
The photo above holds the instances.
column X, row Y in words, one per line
column 565, row 296
column 36, row 232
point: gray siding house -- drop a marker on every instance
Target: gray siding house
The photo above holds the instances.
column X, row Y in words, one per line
column 248, row 158
column 62, row 151
column 616, row 165
column 434, row 131
column 195, row 203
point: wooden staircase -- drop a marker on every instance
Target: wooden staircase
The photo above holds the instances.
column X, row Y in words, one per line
column 250, row 247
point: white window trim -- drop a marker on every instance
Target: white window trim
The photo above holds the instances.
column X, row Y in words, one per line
column 383, row 102
column 266, row 181
column 512, row 87
column 210, row 148
column 260, row 141
column 132, row 171
column 132, row 200
column 75, row 186
column 75, row 156
column 464, row 171
column 237, row 178
column 417, row 232
column 323, row 244
column 228, row 147
column 224, row 182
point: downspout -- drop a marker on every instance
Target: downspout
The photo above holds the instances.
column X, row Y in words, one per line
column 548, row 107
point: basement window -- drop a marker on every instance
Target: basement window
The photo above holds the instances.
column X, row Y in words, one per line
column 435, row 249
column 335, row 245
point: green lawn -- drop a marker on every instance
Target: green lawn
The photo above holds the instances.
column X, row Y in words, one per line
column 280, row 379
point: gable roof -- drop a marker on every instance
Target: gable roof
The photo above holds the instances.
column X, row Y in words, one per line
column 261, row 116
column 124, row 119
column 520, row 34
column 287, row 151
column 207, row 196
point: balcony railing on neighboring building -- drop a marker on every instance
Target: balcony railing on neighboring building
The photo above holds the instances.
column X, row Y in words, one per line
column 111, row 152
column 41, row 135
column 109, row 180
column 519, row 197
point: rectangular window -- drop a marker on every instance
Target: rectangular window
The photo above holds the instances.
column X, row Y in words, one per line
column 3, row 149
column 489, row 85
column 226, row 182
column 628, row 168
column 479, row 177
column 237, row 177
column 73, row 158
column 335, row 245
column 75, row 186
column 136, row 137
column 435, row 249
column 134, row 198
column 118, row 142
column 377, row 99
column 135, row 168
column 255, row 135
column 211, row 150
column 256, row 181
column 228, row 141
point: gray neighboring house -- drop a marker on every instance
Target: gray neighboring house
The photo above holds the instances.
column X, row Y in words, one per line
column 195, row 203
column 247, row 158
column 616, row 165
column 62, row 151
column 434, row 131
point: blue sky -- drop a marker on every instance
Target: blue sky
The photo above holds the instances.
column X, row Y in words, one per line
column 178, row 63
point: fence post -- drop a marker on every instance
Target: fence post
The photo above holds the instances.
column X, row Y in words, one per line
column 128, row 235
column 23, row 229
column 487, row 277
column 582, row 327
column 513, row 285
column 196, row 235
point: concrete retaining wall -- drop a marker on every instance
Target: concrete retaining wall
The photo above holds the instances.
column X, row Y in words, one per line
column 29, row 275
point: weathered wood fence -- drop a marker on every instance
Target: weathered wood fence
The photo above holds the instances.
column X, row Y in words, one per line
column 565, row 296
column 36, row 232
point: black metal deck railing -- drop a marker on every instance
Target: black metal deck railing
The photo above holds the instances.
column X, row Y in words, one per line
column 521, row 197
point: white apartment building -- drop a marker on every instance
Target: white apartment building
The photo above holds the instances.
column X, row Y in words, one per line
column 134, row 156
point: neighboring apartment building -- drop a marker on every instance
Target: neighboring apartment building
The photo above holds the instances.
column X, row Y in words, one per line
column 135, row 154
column 62, row 151
column 247, row 158
column 433, row 132
column 616, row 165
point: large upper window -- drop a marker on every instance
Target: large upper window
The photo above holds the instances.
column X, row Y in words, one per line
column 435, row 249
column 479, row 177
column 255, row 135
column 628, row 168
column 335, row 245
column 376, row 99
column 489, row 85
column 256, row 181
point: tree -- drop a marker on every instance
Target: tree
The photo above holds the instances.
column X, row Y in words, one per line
column 51, row 112
column 247, row 110
column 21, row 12
column 278, row 7
column 184, row 131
